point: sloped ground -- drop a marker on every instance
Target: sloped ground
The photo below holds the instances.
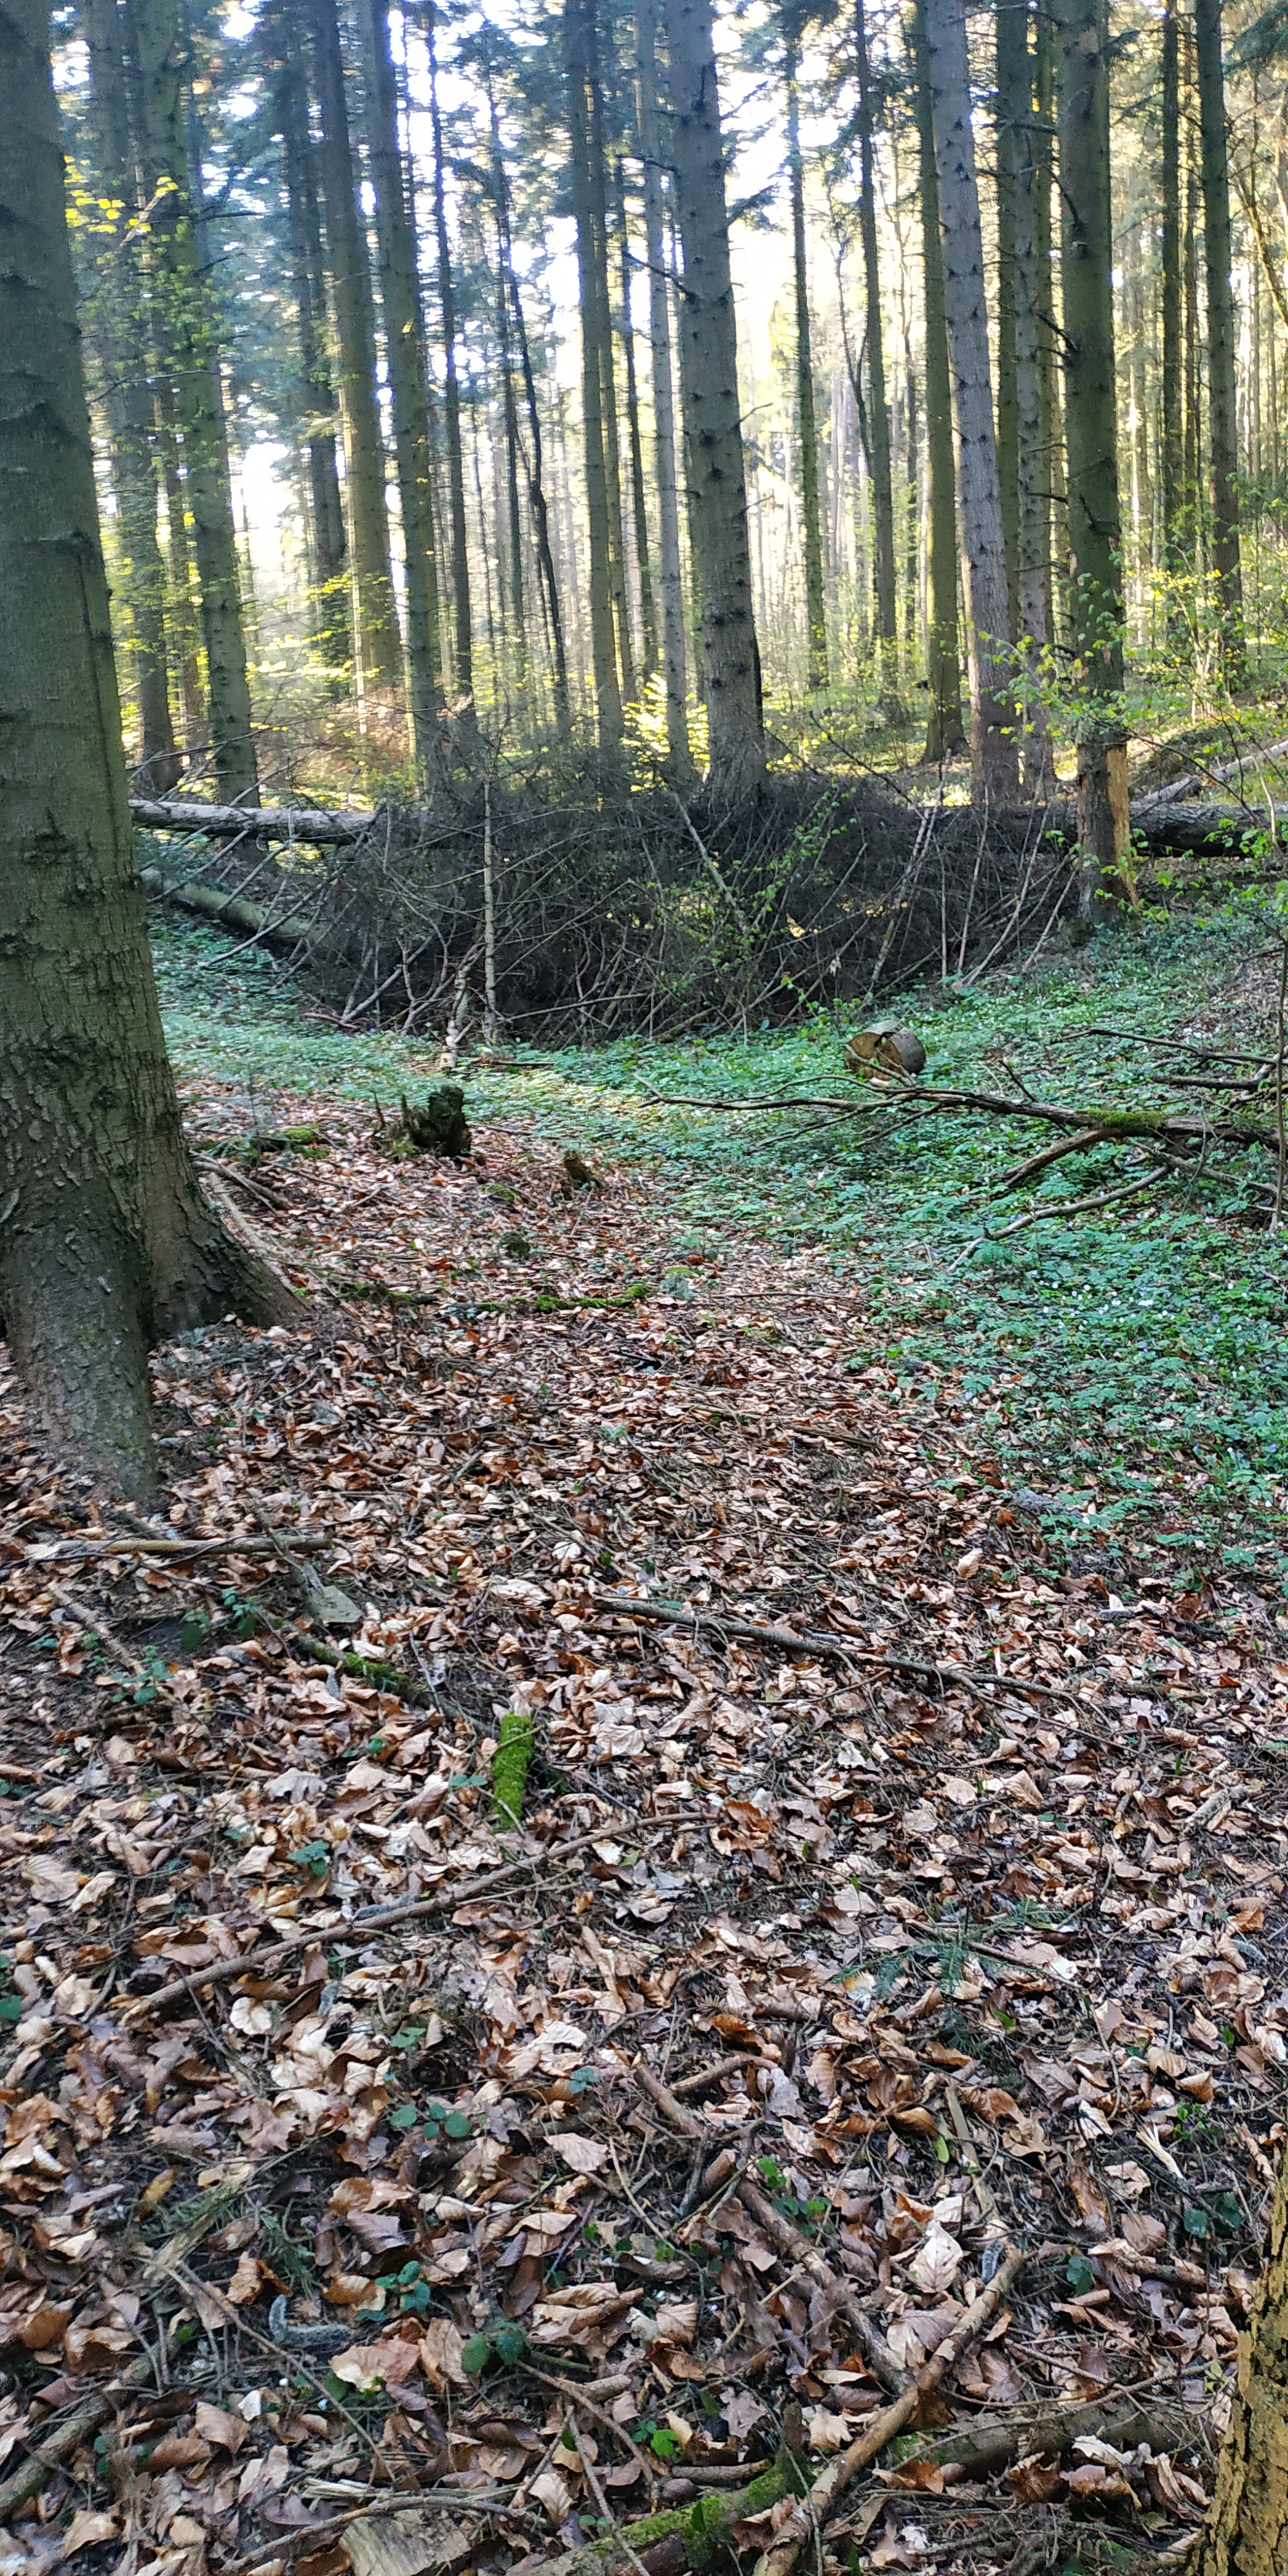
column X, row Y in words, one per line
column 938, row 1961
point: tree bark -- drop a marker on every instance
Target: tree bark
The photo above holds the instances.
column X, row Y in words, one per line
column 1011, row 63
column 408, row 380
column 463, row 634
column 815, row 601
column 994, row 771
column 1020, row 290
column 679, row 757
column 330, row 542
column 129, row 403
column 887, row 630
column 104, row 1237
column 1223, row 442
column 190, row 328
column 509, row 405
column 537, row 499
column 597, row 184
column 379, row 644
column 639, row 506
column 945, row 731
column 1246, row 2533
column 1091, row 442
column 715, row 466
column 1171, row 449
column 579, row 57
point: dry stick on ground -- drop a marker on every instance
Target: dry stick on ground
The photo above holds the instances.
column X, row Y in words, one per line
column 605, row 2509
column 787, row 2239
column 598, row 2415
column 371, row 1919
column 27, row 2481
column 807, row 2516
column 91, row 1550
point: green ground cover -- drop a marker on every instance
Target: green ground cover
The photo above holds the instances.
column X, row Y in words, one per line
column 1130, row 1365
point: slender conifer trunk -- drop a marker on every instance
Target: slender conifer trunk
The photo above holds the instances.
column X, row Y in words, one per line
column 815, row 597
column 578, row 35
column 463, row 619
column 1020, row 292
column 635, row 438
column 1223, row 440
column 330, row 542
column 679, row 759
column 945, row 732
column 887, row 629
column 1171, row 427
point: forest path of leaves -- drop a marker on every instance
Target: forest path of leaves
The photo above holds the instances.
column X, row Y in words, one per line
column 955, row 1961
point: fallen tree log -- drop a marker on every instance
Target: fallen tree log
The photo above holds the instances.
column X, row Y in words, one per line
column 257, row 822
column 229, row 911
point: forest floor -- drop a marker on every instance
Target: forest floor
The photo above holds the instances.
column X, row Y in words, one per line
column 899, row 1615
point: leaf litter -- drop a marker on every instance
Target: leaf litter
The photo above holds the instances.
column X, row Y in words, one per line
column 398, row 2174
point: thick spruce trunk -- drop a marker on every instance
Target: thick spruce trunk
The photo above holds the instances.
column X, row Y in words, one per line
column 887, row 631
column 125, row 342
column 1171, row 427
column 579, row 59
column 1091, row 446
column 104, row 1237
column 679, row 757
column 807, row 425
column 191, row 332
column 1223, row 445
column 1246, row 2533
column 331, row 624
column 462, row 608
column 945, row 731
column 994, row 770
column 715, row 466
column 408, row 379
column 379, row 645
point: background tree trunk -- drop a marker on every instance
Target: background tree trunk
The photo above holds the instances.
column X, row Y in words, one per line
column 679, row 758
column 994, row 771
column 330, row 543
column 379, row 646
column 1223, row 442
column 639, row 504
column 463, row 622
column 408, row 380
column 191, row 334
column 1091, row 445
column 887, row 629
column 1171, row 449
column 1027, row 593
column 716, row 473
column 1246, row 2533
column 104, row 1237
column 594, row 332
column 815, row 601
column 945, row 731
column 129, row 405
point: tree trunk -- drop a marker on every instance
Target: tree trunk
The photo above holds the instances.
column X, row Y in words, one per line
column 536, row 471
column 1246, row 2533
column 1050, row 444
column 945, row 732
column 679, row 758
column 104, row 1237
column 815, row 602
column 1222, row 409
column 375, row 620
column 887, row 628
column 578, row 37
column 190, row 329
column 1091, row 446
column 994, row 773
column 597, row 182
column 463, row 655
column 1011, row 45
column 1171, row 450
column 635, row 439
column 129, row 402
column 408, row 379
column 716, row 475
column 509, row 405
column 330, row 543
column 1029, row 538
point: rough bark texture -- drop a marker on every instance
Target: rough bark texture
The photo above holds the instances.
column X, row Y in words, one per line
column 1221, row 336
column 815, row 603
column 190, row 329
column 104, row 1238
column 330, row 541
column 124, row 338
column 1247, row 2529
column 878, row 410
column 1170, row 426
column 1020, row 281
column 408, row 379
column 1091, row 440
column 463, row 655
column 639, row 503
column 716, row 476
column 579, row 54
column 945, row 732
column 994, row 770
column 379, row 646
column 679, row 761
